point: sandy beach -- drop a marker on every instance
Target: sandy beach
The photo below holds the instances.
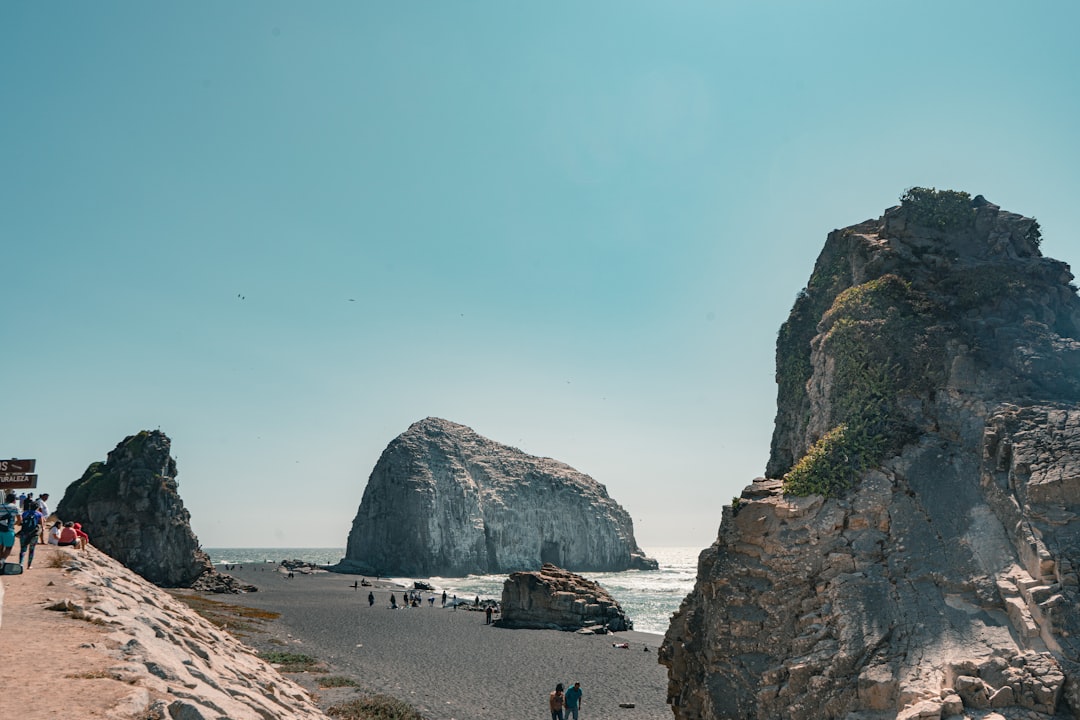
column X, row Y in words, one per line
column 447, row 663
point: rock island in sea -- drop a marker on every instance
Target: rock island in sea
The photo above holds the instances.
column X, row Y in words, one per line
column 443, row 500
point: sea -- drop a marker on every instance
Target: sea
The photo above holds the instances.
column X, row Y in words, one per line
column 649, row 597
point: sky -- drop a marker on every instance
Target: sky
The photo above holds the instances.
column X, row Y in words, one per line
column 284, row 232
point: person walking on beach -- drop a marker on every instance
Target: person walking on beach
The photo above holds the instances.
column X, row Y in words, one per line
column 573, row 701
column 555, row 702
column 393, row 602
column 487, row 615
column 370, row 599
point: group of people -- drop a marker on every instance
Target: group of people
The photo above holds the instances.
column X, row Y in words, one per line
column 565, row 706
column 25, row 516
column 409, row 598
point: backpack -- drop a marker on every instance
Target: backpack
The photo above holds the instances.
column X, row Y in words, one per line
column 31, row 523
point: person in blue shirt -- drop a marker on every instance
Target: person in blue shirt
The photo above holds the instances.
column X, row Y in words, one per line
column 573, row 701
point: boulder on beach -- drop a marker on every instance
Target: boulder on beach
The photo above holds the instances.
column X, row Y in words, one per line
column 443, row 500
column 558, row 599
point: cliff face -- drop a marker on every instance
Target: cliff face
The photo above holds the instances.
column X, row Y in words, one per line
column 911, row 553
column 130, row 508
column 443, row 500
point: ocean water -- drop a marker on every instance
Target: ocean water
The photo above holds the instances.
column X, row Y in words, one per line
column 649, row 597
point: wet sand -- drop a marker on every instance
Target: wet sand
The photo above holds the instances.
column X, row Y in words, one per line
column 448, row 663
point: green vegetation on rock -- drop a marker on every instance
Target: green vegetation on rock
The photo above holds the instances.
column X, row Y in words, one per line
column 95, row 483
column 945, row 210
column 883, row 343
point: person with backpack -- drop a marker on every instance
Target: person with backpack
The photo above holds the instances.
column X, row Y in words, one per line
column 9, row 515
column 29, row 531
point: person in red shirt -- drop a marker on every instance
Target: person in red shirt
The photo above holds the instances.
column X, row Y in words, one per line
column 84, row 539
column 68, row 536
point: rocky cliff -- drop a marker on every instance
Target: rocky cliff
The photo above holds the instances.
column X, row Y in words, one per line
column 130, row 508
column 442, row 500
column 913, row 549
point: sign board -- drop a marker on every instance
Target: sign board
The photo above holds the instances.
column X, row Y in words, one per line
column 17, row 467
column 13, row 482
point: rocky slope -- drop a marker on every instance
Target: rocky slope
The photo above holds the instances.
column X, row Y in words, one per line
column 131, row 509
column 911, row 552
column 442, row 500
column 161, row 659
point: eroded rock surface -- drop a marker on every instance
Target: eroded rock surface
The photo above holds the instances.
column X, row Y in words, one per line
column 443, row 500
column 943, row 582
column 177, row 664
column 558, row 599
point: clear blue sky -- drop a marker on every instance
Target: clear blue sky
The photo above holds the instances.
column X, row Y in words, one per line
column 575, row 227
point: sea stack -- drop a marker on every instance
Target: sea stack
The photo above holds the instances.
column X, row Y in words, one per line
column 130, row 507
column 913, row 550
column 443, row 500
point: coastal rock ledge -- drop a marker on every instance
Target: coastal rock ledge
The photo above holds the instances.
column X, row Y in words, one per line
column 443, row 500
column 914, row 549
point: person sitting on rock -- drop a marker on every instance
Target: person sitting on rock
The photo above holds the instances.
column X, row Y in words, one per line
column 84, row 539
column 68, row 536
column 54, row 533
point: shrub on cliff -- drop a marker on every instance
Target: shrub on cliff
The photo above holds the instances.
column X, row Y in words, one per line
column 883, row 342
column 946, row 210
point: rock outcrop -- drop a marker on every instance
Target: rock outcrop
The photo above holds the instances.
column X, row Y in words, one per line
column 442, row 500
column 173, row 662
column 130, row 508
column 913, row 551
column 557, row 599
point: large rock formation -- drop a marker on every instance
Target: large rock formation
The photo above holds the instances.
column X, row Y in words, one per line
column 443, row 500
column 914, row 550
column 130, row 508
column 557, row 599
